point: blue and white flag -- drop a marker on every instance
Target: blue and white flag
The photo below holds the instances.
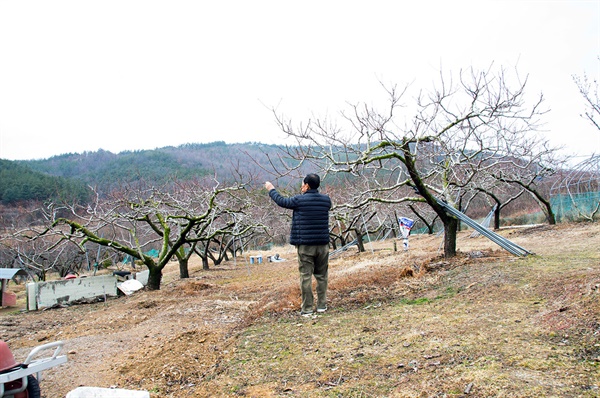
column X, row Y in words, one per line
column 406, row 222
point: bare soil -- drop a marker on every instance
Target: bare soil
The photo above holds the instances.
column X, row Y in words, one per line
column 399, row 324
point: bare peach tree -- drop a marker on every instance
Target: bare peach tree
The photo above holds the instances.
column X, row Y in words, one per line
column 577, row 192
column 501, row 195
column 533, row 173
column 41, row 256
column 430, row 153
column 589, row 92
column 363, row 221
column 133, row 221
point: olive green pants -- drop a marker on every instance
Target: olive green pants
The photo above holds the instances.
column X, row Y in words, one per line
column 313, row 261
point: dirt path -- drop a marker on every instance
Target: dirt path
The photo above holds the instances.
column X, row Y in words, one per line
column 123, row 331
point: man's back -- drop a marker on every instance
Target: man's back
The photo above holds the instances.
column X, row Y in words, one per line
column 310, row 218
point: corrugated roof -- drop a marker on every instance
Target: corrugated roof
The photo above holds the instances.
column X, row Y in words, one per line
column 9, row 273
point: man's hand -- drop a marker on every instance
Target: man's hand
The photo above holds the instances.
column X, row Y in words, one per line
column 269, row 186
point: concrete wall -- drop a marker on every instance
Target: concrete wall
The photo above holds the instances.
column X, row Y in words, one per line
column 142, row 277
column 47, row 294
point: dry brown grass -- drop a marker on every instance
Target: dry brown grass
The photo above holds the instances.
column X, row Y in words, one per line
column 400, row 324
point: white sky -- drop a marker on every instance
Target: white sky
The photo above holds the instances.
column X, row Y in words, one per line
column 119, row 75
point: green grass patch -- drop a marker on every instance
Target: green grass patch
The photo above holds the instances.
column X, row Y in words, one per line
column 417, row 301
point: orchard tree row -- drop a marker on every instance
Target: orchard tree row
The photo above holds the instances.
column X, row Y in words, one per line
column 472, row 142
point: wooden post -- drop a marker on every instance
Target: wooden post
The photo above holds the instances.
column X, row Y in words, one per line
column 2, row 292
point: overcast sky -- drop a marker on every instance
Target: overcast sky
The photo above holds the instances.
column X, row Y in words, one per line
column 121, row 75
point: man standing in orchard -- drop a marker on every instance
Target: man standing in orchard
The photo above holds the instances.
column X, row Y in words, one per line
column 310, row 235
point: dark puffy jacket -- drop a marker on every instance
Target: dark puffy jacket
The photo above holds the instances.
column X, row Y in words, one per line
column 310, row 219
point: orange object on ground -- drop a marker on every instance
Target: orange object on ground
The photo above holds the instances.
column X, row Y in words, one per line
column 9, row 299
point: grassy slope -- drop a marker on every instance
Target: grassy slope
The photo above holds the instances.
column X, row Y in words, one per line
column 525, row 328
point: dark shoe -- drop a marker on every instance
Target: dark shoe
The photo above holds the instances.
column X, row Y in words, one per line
column 306, row 314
